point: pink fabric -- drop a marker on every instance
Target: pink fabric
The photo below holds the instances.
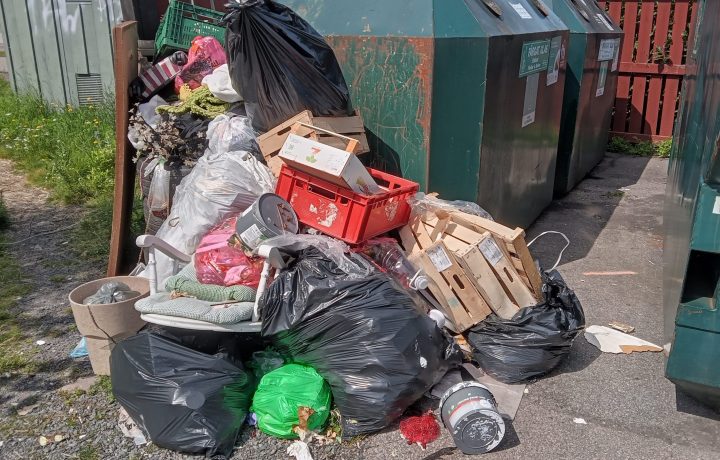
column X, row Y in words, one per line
column 218, row 263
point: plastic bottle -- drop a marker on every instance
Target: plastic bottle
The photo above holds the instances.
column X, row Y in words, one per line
column 390, row 256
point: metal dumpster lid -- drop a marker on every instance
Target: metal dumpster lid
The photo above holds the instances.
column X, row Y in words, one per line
column 584, row 16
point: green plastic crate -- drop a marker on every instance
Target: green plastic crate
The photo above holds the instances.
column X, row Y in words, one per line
column 183, row 22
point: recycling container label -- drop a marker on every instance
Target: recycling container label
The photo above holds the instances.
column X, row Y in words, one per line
column 555, row 61
column 534, row 57
column 607, row 50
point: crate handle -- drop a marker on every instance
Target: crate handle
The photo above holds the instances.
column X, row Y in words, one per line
column 352, row 144
column 322, row 192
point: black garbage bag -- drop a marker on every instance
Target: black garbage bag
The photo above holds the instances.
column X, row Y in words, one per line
column 535, row 340
column 365, row 336
column 281, row 65
column 181, row 399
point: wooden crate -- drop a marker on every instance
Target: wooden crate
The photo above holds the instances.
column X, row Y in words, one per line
column 457, row 223
column 486, row 254
column 271, row 142
column 449, row 284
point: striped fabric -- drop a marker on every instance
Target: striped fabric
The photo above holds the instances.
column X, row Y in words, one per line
column 159, row 75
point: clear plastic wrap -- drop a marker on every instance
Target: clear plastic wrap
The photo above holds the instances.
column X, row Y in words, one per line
column 333, row 249
column 226, row 180
column 422, row 203
column 111, row 292
column 159, row 194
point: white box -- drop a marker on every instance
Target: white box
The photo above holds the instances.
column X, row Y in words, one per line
column 329, row 163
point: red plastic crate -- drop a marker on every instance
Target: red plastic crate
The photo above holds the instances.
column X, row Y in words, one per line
column 342, row 213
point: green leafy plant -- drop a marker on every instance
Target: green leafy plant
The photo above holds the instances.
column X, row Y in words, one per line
column 640, row 148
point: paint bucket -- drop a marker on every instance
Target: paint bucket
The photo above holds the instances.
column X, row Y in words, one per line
column 469, row 412
column 268, row 216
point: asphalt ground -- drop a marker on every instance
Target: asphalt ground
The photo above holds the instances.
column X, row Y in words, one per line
column 614, row 222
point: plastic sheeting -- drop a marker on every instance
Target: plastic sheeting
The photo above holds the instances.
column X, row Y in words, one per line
column 366, row 337
column 226, row 180
column 535, row 340
column 281, row 65
column 181, row 399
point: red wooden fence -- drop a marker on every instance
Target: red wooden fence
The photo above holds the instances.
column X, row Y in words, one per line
column 652, row 65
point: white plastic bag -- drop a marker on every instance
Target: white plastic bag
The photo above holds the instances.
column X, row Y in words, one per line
column 218, row 82
column 225, row 181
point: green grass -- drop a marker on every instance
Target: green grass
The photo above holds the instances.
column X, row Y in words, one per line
column 88, row 453
column 102, row 386
column 69, row 151
column 642, row 148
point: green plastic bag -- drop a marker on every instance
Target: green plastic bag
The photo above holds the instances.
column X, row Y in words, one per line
column 284, row 390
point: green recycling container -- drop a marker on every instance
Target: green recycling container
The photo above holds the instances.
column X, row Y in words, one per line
column 462, row 96
column 691, row 272
column 590, row 84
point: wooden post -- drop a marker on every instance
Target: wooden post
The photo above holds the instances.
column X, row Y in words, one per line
column 125, row 44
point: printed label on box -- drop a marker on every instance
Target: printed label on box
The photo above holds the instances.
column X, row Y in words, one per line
column 521, row 11
column 439, row 258
column 491, row 251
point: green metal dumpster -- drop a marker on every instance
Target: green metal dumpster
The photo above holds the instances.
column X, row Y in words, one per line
column 691, row 274
column 590, row 84
column 462, row 96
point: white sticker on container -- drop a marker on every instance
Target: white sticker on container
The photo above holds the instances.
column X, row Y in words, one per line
column 716, row 206
column 521, row 11
column 530, row 103
column 439, row 258
column 252, row 237
column 604, row 21
column 491, row 251
column 554, row 62
column 602, row 77
column 616, row 56
column 607, row 50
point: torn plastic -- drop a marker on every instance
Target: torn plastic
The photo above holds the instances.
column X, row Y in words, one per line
column 422, row 203
column 280, row 395
column 366, row 337
column 335, row 250
column 159, row 194
column 225, row 181
column 535, row 340
column 281, row 65
column 181, row 399
column 111, row 292
column 219, row 261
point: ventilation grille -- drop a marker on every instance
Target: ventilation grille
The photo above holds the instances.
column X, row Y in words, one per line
column 89, row 88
